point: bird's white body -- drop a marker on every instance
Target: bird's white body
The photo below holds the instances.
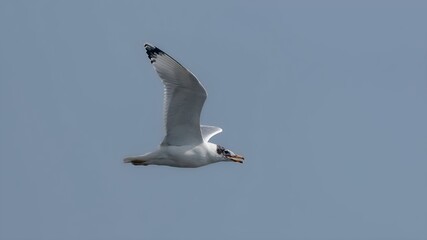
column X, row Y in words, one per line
column 186, row 141
column 180, row 156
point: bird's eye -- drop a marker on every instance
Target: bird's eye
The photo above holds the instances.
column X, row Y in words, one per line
column 226, row 152
column 220, row 149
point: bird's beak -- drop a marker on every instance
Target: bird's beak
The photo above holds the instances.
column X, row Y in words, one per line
column 236, row 158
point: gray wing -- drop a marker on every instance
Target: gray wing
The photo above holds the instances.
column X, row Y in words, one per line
column 183, row 99
column 209, row 131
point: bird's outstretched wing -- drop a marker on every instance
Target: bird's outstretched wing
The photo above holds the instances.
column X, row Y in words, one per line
column 209, row 131
column 183, row 99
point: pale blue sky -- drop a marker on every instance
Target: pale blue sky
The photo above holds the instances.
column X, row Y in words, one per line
column 326, row 100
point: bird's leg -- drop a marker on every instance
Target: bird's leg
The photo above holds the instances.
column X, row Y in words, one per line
column 139, row 162
column 136, row 161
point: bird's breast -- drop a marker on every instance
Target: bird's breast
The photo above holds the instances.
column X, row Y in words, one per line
column 188, row 156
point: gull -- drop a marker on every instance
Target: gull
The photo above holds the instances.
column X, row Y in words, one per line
column 186, row 143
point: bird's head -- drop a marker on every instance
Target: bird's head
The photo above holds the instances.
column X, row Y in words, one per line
column 228, row 155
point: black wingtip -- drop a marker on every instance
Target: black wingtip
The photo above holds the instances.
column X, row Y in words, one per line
column 152, row 51
column 148, row 46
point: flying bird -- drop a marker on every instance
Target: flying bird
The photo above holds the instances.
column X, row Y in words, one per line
column 186, row 143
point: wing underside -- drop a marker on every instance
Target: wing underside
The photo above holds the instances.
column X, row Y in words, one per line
column 184, row 97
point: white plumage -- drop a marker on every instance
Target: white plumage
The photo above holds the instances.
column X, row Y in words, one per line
column 186, row 141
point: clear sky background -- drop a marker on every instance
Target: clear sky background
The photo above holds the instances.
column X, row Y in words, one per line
column 327, row 100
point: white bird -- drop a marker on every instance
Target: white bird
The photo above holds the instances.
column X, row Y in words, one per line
column 186, row 143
